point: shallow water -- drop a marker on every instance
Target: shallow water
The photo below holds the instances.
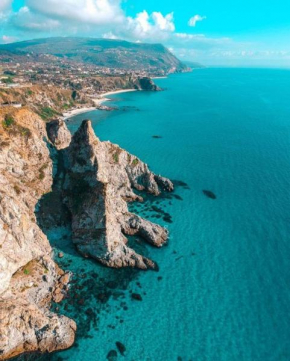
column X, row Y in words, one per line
column 223, row 291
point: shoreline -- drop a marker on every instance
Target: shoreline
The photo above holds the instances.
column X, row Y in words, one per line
column 159, row 77
column 98, row 101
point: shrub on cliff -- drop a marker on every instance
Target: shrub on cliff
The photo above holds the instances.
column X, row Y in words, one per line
column 8, row 121
column 10, row 125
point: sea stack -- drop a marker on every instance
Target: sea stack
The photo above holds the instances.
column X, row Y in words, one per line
column 100, row 180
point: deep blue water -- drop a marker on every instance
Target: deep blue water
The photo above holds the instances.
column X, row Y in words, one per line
column 225, row 287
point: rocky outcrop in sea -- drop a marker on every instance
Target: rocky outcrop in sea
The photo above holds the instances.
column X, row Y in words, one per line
column 100, row 179
column 146, row 84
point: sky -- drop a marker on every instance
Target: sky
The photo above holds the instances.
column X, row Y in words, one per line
column 217, row 33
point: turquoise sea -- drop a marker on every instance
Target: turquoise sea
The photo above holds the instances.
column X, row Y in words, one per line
column 223, row 289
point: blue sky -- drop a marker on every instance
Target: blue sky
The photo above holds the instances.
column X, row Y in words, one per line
column 225, row 32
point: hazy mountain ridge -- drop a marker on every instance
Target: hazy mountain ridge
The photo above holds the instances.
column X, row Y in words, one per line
column 100, row 52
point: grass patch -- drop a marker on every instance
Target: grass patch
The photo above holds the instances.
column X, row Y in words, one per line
column 135, row 162
column 116, row 157
column 10, row 125
column 47, row 113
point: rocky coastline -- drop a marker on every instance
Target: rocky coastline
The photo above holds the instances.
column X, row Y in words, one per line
column 96, row 181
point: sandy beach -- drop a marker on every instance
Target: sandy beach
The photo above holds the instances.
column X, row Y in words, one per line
column 98, row 101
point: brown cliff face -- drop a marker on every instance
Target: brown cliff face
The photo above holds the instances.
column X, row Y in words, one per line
column 100, row 179
column 25, row 175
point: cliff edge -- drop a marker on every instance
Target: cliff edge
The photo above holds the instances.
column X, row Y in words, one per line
column 29, row 278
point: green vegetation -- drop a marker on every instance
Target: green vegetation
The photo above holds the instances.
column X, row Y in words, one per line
column 8, row 121
column 8, row 80
column 41, row 174
column 116, row 157
column 9, row 72
column 135, row 162
column 13, row 128
column 48, row 113
column 24, row 131
column 74, row 94
column 26, row 271
column 113, row 53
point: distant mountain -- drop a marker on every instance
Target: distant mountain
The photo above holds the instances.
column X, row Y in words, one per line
column 101, row 52
column 193, row 65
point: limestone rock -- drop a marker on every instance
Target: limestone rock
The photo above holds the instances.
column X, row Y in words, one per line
column 100, row 180
column 25, row 174
column 28, row 276
column 58, row 134
column 146, row 83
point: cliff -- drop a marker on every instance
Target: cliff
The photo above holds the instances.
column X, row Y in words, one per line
column 28, row 276
column 98, row 180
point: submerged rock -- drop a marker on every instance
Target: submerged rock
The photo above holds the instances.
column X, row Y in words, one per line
column 121, row 347
column 100, row 178
column 112, row 355
column 136, row 296
column 209, row 194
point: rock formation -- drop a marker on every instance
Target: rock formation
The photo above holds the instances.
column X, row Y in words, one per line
column 58, row 134
column 97, row 180
column 100, row 178
column 146, row 83
column 28, row 276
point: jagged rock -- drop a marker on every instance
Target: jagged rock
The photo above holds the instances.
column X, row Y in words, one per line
column 146, row 83
column 58, row 134
column 28, row 276
column 100, row 178
column 164, row 183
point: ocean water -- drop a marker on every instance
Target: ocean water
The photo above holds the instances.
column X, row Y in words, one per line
column 223, row 289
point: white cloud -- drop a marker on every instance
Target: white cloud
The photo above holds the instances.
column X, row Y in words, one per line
column 27, row 20
column 98, row 12
column 192, row 21
column 154, row 27
column 144, row 27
